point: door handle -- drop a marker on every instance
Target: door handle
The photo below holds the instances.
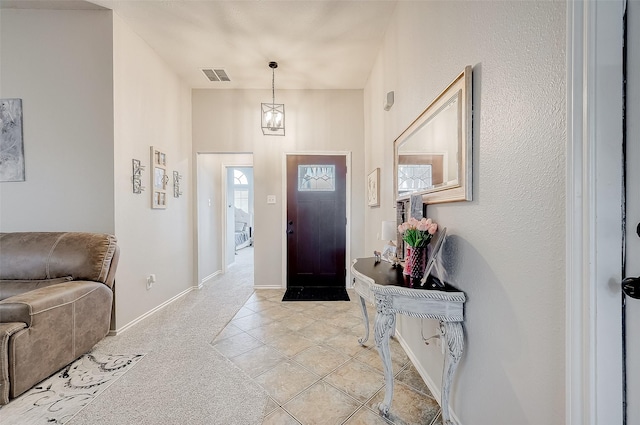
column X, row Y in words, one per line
column 290, row 227
column 631, row 287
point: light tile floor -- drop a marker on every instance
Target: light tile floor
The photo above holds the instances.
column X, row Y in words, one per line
column 307, row 357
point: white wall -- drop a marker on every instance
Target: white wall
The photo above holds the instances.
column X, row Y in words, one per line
column 82, row 79
column 209, row 218
column 152, row 107
column 229, row 226
column 94, row 97
column 506, row 249
column 316, row 121
column 633, row 210
column 65, row 82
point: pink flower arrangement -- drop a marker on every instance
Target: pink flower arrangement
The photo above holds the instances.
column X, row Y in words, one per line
column 418, row 233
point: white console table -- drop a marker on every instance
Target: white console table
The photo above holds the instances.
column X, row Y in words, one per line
column 393, row 292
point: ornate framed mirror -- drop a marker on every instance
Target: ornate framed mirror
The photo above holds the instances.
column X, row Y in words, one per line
column 433, row 156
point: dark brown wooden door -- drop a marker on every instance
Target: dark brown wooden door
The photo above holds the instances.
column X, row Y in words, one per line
column 316, row 220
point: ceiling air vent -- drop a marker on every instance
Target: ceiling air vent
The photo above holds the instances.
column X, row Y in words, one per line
column 216, row 74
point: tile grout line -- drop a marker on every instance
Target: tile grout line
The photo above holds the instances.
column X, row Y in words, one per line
column 260, row 310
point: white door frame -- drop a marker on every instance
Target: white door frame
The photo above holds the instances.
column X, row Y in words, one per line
column 594, row 212
column 347, row 254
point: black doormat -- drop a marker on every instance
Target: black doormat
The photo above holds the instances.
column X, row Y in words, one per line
column 316, row 293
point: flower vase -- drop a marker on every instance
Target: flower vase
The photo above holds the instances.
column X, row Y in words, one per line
column 407, row 264
column 417, row 262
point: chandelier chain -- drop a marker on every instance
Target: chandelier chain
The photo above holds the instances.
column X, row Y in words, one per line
column 273, row 87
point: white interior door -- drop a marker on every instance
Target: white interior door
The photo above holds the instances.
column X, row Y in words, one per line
column 633, row 210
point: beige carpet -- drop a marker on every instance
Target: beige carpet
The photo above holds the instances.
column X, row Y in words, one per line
column 57, row 399
column 183, row 379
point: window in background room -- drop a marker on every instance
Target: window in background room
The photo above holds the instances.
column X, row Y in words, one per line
column 240, row 190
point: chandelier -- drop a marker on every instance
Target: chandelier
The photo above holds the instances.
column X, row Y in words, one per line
column 273, row 113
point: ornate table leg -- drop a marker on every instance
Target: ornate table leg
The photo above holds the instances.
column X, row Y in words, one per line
column 385, row 322
column 454, row 338
column 365, row 316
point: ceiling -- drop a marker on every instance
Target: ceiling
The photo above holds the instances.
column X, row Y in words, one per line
column 320, row 44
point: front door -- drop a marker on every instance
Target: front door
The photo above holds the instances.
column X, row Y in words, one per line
column 316, row 220
column 632, row 328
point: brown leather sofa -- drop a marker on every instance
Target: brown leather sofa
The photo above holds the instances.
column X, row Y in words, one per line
column 56, row 293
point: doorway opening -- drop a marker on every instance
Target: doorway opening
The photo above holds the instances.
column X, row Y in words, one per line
column 240, row 214
column 218, row 193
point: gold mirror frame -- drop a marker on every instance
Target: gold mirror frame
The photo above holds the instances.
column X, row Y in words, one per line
column 453, row 189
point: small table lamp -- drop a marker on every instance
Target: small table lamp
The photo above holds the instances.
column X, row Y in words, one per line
column 389, row 233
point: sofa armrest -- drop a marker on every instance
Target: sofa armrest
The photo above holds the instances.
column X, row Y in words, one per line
column 6, row 331
column 63, row 322
column 31, row 306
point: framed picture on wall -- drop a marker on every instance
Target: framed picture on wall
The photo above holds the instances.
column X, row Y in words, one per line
column 11, row 142
column 159, row 178
column 373, row 188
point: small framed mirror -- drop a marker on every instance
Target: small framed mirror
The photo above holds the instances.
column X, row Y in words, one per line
column 433, row 156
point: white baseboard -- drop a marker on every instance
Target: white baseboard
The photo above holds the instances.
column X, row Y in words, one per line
column 268, row 287
column 281, row 287
column 433, row 387
column 208, row 278
column 150, row 312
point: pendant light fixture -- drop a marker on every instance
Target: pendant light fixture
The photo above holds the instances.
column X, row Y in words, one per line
column 273, row 113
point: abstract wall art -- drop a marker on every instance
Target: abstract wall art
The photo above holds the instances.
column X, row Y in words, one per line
column 11, row 143
column 373, row 188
